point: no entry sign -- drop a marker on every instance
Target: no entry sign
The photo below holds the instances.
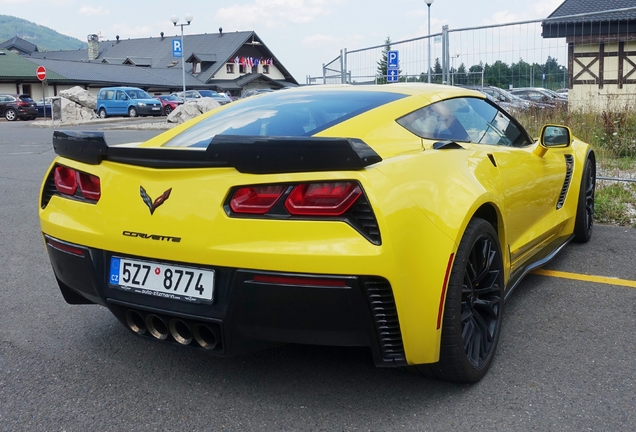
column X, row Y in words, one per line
column 41, row 73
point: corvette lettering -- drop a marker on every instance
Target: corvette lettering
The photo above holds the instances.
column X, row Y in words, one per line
column 151, row 236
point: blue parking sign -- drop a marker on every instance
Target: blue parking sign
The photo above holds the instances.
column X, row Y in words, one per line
column 392, row 59
column 177, row 49
column 392, row 75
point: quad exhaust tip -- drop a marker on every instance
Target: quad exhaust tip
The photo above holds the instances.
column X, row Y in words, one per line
column 157, row 326
column 207, row 336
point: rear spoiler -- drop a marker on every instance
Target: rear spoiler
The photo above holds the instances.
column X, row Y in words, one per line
column 248, row 154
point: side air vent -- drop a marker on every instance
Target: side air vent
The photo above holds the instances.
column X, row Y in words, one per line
column 361, row 217
column 382, row 303
column 569, row 166
column 49, row 190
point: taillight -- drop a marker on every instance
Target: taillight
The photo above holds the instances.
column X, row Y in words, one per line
column 22, row 104
column 256, row 199
column 67, row 181
column 322, row 199
column 90, row 186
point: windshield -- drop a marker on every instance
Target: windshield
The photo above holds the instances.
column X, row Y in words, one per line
column 209, row 93
column 289, row 113
column 138, row 94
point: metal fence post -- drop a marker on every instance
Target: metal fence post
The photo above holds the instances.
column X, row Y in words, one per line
column 344, row 67
column 324, row 74
column 445, row 55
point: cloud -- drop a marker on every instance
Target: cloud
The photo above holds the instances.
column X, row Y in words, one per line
column 274, row 13
column 91, row 11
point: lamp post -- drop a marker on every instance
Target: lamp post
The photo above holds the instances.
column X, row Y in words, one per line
column 428, row 72
column 175, row 20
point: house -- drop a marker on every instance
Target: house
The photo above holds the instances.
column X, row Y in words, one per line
column 19, row 46
column 601, row 39
column 230, row 62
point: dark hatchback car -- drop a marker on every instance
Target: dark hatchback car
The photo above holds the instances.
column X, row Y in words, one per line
column 17, row 106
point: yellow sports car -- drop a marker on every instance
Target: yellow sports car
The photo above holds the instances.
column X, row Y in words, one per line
column 396, row 217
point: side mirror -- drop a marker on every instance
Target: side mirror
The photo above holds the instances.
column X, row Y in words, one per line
column 553, row 136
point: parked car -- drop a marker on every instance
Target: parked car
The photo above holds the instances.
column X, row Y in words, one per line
column 130, row 101
column 255, row 91
column 563, row 92
column 501, row 97
column 17, row 106
column 540, row 95
column 169, row 103
column 198, row 94
column 395, row 217
column 44, row 106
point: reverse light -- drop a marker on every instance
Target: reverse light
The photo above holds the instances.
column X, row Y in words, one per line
column 256, row 199
column 322, row 199
column 68, row 181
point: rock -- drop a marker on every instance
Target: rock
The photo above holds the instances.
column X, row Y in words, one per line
column 80, row 96
column 191, row 109
column 75, row 113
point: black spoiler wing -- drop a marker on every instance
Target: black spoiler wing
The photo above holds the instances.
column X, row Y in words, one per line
column 248, row 154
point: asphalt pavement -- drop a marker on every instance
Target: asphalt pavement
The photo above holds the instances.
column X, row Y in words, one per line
column 566, row 358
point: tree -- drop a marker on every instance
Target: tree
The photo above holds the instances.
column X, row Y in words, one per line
column 382, row 68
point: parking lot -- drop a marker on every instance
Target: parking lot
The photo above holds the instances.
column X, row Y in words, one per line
column 565, row 360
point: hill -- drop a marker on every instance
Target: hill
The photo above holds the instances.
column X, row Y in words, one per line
column 44, row 38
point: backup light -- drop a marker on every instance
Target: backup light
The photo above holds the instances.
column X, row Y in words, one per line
column 324, row 199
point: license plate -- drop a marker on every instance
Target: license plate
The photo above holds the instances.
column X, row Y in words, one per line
column 155, row 108
column 162, row 280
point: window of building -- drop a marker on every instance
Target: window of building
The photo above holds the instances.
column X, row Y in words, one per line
column 196, row 67
column 265, row 69
column 242, row 69
column 255, row 69
column 229, row 68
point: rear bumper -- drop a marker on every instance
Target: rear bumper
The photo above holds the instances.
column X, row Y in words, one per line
column 246, row 314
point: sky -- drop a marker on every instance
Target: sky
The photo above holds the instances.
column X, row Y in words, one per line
column 302, row 34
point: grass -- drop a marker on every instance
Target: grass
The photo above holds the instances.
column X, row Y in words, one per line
column 613, row 137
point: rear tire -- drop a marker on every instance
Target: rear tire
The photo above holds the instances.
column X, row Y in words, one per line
column 10, row 115
column 474, row 308
column 584, row 223
column 102, row 113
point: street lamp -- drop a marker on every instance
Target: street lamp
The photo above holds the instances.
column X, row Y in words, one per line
column 429, row 3
column 175, row 20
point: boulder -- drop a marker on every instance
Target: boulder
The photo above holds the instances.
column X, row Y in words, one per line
column 75, row 113
column 80, row 96
column 191, row 109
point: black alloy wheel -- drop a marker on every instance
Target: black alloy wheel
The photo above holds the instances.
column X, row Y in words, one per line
column 168, row 109
column 584, row 223
column 474, row 308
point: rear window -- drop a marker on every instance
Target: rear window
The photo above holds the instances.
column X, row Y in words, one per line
column 26, row 98
column 283, row 113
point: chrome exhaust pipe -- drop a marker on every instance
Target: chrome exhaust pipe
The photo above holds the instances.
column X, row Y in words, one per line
column 135, row 321
column 206, row 336
column 180, row 331
column 157, row 326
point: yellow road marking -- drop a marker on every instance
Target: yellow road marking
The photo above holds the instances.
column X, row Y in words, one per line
column 586, row 278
